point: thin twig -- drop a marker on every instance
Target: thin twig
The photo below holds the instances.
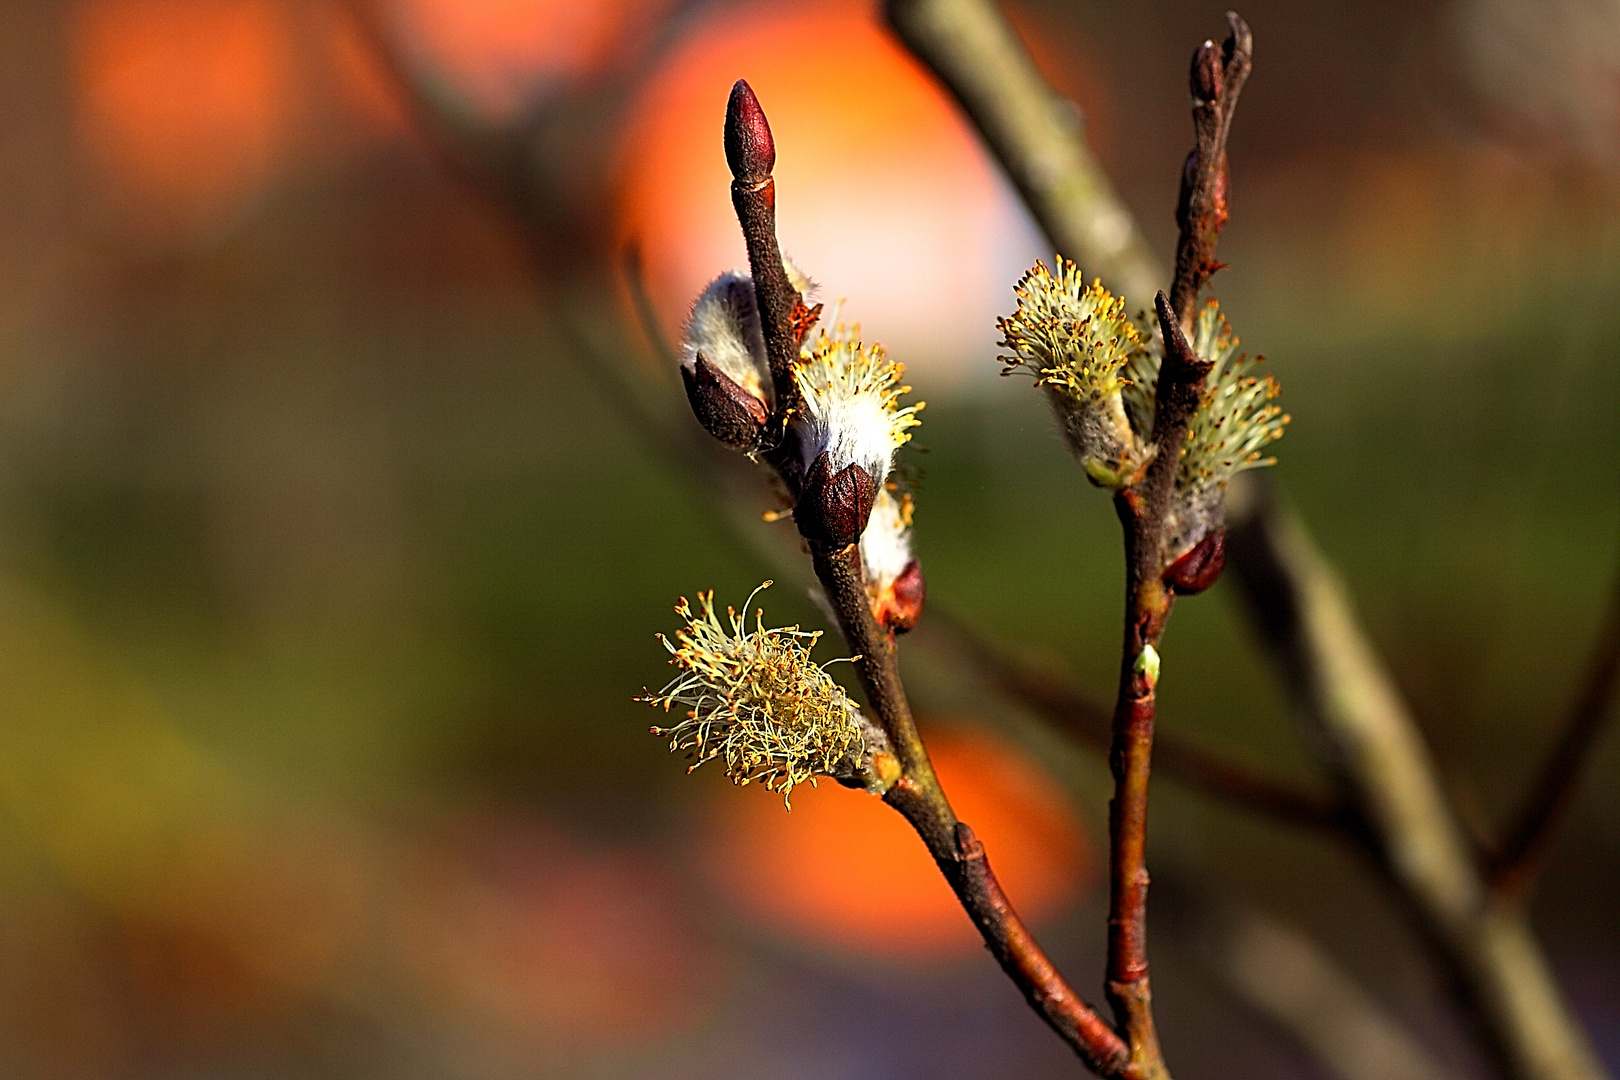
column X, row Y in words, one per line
column 1036, row 134
column 1143, row 510
column 1514, row 864
column 1216, row 79
column 918, row 796
column 1364, row 735
column 483, row 158
column 1142, row 514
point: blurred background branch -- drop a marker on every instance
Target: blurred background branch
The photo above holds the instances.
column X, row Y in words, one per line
column 1037, row 135
column 327, row 493
column 1081, row 718
column 1512, row 866
column 1371, row 747
column 1288, row 979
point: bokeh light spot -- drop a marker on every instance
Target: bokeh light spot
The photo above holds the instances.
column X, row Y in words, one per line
column 844, row 871
column 183, row 105
column 883, row 195
column 499, row 54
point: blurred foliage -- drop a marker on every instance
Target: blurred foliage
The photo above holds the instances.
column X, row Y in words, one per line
column 326, row 577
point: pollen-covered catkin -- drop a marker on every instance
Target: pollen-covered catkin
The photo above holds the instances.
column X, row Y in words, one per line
column 754, row 699
column 1078, row 343
column 852, row 409
column 1227, row 434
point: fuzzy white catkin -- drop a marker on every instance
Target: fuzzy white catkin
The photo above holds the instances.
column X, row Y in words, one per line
column 724, row 329
column 851, row 404
column 886, row 543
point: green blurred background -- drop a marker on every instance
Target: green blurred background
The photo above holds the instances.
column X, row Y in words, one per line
column 329, row 563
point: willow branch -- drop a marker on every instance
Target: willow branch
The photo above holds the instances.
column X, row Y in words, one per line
column 1503, row 975
column 1142, row 512
column 1370, row 744
column 1216, row 79
column 959, row 855
column 1036, row 134
column 1514, row 864
column 484, row 157
column 1286, row 978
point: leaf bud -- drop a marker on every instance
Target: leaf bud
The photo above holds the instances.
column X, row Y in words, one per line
column 1201, row 566
column 833, row 507
column 1208, row 73
column 726, row 411
column 750, row 149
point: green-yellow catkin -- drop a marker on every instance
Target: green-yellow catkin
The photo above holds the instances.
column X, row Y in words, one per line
column 1079, row 344
column 754, row 699
column 1227, row 434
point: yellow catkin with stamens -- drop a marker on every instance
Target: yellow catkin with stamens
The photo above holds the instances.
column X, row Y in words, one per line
column 1078, row 343
column 754, row 699
column 852, row 407
column 1226, row 435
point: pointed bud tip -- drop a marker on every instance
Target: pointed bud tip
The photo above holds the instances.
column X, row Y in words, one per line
column 726, row 411
column 1161, row 307
column 750, row 149
column 1240, row 39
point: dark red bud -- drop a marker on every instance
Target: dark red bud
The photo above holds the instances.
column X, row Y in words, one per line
column 833, row 508
column 1200, row 567
column 901, row 611
column 726, row 411
column 1208, row 72
column 750, row 150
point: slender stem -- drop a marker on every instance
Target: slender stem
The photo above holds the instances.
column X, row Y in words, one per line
column 1142, row 514
column 917, row 795
column 1036, row 134
column 1514, row 864
column 1216, row 79
column 878, row 668
column 1130, row 760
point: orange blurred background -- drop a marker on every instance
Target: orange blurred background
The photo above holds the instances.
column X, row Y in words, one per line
column 326, row 573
